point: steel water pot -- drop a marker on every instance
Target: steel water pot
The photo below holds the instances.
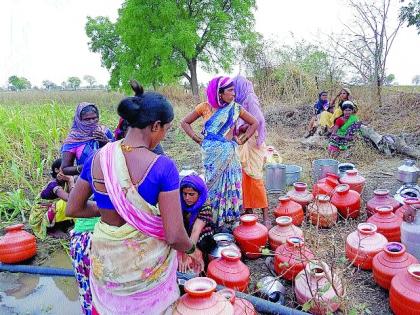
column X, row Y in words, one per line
column 223, row 241
column 275, row 177
column 408, row 172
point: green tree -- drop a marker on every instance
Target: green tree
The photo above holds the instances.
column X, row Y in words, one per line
column 74, row 82
column 389, row 79
column 49, row 85
column 416, row 79
column 19, row 83
column 160, row 41
column 90, row 80
column 411, row 14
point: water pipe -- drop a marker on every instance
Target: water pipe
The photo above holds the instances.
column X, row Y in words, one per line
column 260, row 305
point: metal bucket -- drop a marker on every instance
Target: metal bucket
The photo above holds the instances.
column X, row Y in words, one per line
column 275, row 178
column 321, row 167
column 292, row 174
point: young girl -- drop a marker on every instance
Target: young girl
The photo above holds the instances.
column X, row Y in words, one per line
column 197, row 215
column 45, row 214
column 344, row 129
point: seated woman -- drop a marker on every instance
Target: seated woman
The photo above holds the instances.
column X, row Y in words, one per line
column 198, row 218
column 50, row 210
column 344, row 129
column 320, row 106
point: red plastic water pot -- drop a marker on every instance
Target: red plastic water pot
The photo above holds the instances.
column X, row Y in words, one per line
column 200, row 299
column 16, row 245
column 291, row 258
column 315, row 284
column 322, row 212
column 387, row 222
column 240, row 306
column 354, row 180
column 300, row 194
column 404, row 294
column 381, row 198
column 347, row 201
column 363, row 244
column 326, row 185
column 229, row 271
column 392, row 260
column 284, row 229
column 288, row 207
column 251, row 236
column 408, row 202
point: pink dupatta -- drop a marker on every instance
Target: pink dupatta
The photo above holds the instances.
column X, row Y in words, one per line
column 149, row 224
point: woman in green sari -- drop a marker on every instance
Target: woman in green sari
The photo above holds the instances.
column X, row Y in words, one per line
column 344, row 129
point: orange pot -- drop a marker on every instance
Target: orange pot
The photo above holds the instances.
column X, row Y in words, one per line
column 387, row 263
column 387, row 222
column 326, row 185
column 408, row 202
column 363, row 244
column 322, row 212
column 240, row 306
column 347, row 201
column 404, row 294
column 354, row 180
column 251, row 236
column 284, row 229
column 288, row 207
column 381, row 198
column 17, row 245
column 229, row 271
column 315, row 284
column 200, row 299
column 291, row 258
column 301, row 194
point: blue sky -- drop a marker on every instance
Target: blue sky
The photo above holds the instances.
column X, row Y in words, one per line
column 45, row 39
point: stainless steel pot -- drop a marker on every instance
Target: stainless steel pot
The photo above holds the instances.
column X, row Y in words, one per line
column 321, row 167
column 223, row 241
column 344, row 167
column 408, row 172
column 275, row 177
column 271, row 289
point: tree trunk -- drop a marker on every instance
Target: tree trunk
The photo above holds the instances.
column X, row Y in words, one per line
column 192, row 66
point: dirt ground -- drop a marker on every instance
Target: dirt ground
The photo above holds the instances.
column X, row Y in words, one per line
column 285, row 131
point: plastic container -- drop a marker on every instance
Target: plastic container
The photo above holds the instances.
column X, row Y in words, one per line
column 240, row 306
column 287, row 207
column 275, row 178
column 301, row 194
column 322, row 212
column 284, row 229
column 344, row 167
column 347, row 201
column 326, row 185
column 229, row 271
column 16, row 245
column 387, row 222
column 354, row 180
column 315, row 285
column 410, row 236
column 292, row 174
column 404, row 294
column 251, row 236
column 387, row 263
column 363, row 244
column 291, row 258
column 200, row 299
column 321, row 167
column 381, row 198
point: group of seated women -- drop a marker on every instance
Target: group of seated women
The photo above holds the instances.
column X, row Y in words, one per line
column 338, row 122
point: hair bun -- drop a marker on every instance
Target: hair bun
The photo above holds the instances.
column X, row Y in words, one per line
column 137, row 88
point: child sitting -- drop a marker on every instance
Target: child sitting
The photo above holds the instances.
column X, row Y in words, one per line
column 46, row 213
column 198, row 218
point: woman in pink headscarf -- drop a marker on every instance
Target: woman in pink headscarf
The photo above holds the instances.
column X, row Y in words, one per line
column 252, row 153
column 220, row 149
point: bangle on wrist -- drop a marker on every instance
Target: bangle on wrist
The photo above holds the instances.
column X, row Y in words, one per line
column 78, row 170
column 191, row 250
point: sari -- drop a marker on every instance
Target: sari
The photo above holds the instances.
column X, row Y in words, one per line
column 341, row 140
column 133, row 268
column 222, row 166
